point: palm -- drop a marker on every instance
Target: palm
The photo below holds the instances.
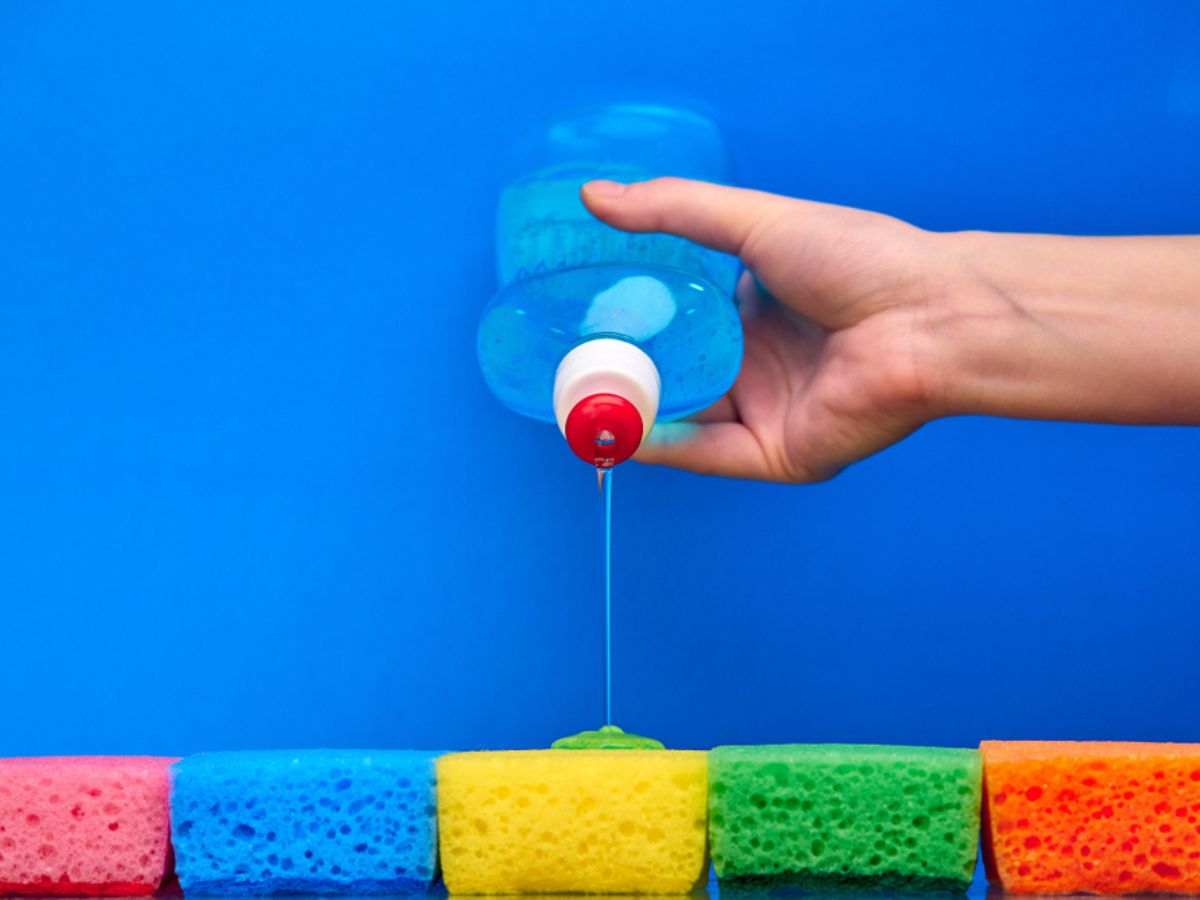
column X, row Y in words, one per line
column 814, row 400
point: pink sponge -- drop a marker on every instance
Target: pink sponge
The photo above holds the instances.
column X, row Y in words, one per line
column 83, row 825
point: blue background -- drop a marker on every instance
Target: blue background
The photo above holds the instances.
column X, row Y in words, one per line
column 254, row 493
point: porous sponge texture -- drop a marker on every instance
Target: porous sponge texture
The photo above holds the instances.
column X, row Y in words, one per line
column 83, row 825
column 1100, row 817
column 305, row 821
column 845, row 815
column 572, row 821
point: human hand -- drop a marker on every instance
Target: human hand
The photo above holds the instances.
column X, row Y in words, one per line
column 838, row 363
column 870, row 327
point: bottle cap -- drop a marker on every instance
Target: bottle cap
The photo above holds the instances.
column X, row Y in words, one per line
column 605, row 399
column 603, row 429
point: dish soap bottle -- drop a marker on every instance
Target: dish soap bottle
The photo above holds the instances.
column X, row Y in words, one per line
column 599, row 330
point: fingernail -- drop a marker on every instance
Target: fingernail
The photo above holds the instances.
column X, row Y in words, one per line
column 604, row 188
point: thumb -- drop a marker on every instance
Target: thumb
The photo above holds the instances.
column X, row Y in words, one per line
column 719, row 217
column 728, row 449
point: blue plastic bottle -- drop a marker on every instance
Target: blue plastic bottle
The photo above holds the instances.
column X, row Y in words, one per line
column 603, row 331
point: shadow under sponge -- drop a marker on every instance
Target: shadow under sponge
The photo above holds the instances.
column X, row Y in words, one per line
column 305, row 821
column 83, row 825
column 825, row 816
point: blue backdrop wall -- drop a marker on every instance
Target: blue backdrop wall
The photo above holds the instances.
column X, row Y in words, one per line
column 243, row 251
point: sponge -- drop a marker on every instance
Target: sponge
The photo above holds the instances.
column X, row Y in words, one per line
column 578, row 821
column 820, row 816
column 83, row 825
column 304, row 821
column 1113, row 818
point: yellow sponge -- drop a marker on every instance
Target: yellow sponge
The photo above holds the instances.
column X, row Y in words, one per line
column 578, row 821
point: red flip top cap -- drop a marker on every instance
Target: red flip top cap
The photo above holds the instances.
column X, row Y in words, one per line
column 604, row 429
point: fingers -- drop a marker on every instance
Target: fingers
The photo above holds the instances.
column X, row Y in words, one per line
column 750, row 295
column 723, row 410
column 723, row 218
column 750, row 299
column 728, row 449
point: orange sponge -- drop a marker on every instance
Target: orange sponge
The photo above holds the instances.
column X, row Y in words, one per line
column 1112, row 818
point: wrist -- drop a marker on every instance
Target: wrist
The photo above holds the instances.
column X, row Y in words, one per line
column 1052, row 327
column 968, row 326
column 981, row 335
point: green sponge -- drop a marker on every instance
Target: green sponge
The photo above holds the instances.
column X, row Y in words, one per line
column 822, row 816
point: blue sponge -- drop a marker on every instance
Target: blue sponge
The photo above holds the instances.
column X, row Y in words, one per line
column 305, row 821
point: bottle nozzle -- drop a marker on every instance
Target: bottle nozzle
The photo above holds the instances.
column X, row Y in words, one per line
column 605, row 399
column 604, row 429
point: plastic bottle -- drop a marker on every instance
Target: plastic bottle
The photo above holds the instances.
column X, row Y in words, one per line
column 602, row 331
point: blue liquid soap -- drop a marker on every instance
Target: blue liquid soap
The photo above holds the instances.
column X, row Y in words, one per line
column 567, row 280
column 606, row 477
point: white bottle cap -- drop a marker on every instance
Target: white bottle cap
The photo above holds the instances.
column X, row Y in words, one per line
column 606, row 395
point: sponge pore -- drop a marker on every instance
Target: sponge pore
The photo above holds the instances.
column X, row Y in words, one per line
column 83, row 825
column 826, row 816
column 1094, row 816
column 579, row 821
column 305, row 821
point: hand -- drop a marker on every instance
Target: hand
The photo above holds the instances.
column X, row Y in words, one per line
column 838, row 363
column 869, row 328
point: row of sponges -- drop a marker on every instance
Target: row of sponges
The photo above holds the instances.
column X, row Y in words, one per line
column 1058, row 817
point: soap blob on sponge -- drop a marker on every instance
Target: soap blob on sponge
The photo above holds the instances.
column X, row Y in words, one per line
column 578, row 821
column 844, row 815
column 1114, row 818
column 83, row 825
column 306, row 821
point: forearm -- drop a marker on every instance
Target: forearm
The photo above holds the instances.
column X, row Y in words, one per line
column 1090, row 329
